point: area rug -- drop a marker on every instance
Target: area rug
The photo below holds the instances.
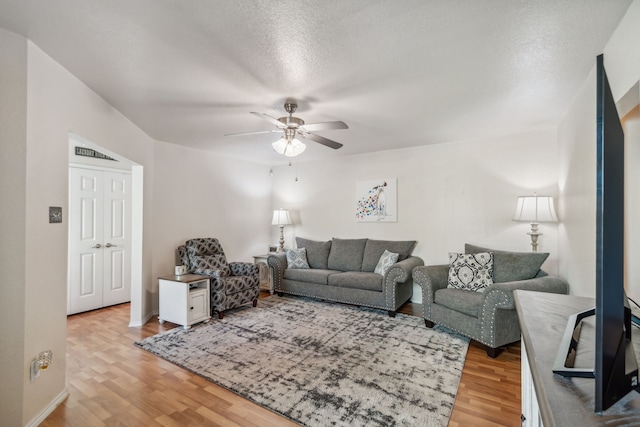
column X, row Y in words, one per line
column 325, row 364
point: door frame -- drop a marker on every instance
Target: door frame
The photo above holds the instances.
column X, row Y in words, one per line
column 137, row 220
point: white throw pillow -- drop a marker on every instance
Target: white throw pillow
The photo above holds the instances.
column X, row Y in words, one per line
column 296, row 258
column 471, row 272
column 386, row 261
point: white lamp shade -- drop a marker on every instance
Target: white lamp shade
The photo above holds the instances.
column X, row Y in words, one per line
column 289, row 148
column 535, row 209
column 281, row 217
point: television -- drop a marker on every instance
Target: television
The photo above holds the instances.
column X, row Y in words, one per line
column 615, row 367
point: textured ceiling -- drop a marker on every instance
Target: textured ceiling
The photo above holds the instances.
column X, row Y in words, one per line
column 400, row 73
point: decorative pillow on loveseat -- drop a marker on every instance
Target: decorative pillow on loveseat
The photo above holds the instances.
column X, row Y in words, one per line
column 317, row 252
column 296, row 258
column 386, row 261
column 471, row 272
column 512, row 266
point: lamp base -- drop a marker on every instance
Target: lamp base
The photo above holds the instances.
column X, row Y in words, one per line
column 281, row 247
column 534, row 236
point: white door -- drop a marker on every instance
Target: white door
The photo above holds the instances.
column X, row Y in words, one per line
column 99, row 239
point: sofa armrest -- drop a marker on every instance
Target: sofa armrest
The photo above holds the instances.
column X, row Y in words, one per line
column 500, row 295
column 400, row 272
column 431, row 278
column 277, row 263
column 244, row 269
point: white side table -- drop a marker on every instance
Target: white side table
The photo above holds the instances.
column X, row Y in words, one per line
column 265, row 272
column 184, row 300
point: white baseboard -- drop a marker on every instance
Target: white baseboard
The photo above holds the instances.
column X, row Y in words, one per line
column 144, row 320
column 49, row 409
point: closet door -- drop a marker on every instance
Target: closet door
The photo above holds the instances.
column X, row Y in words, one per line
column 117, row 238
column 86, row 228
column 99, row 239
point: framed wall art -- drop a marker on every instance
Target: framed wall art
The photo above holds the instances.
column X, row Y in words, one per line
column 377, row 200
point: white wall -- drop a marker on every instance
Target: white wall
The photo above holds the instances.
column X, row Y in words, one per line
column 577, row 182
column 13, row 137
column 577, row 152
column 200, row 194
column 631, row 124
column 448, row 195
column 57, row 104
column 41, row 103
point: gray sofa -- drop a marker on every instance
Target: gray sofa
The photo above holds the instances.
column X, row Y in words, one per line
column 342, row 270
column 488, row 317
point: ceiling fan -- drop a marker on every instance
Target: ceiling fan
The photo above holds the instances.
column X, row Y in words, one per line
column 293, row 127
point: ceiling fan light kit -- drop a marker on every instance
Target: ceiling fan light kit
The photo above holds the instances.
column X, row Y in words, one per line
column 289, row 145
column 289, row 148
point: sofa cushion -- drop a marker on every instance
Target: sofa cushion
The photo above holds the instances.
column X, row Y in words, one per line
column 459, row 300
column 296, row 258
column 357, row 280
column 511, row 266
column 471, row 272
column 317, row 252
column 374, row 249
column 386, row 261
column 346, row 254
column 311, row 275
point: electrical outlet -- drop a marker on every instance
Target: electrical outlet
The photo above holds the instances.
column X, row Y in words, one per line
column 40, row 363
column 35, row 370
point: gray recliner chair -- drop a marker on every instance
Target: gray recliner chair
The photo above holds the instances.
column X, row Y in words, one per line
column 233, row 284
column 488, row 317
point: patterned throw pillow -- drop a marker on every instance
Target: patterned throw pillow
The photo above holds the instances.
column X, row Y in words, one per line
column 386, row 261
column 296, row 258
column 471, row 272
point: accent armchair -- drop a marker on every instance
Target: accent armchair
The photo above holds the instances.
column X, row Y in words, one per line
column 488, row 317
column 232, row 284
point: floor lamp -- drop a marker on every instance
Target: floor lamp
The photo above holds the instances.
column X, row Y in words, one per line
column 535, row 209
column 281, row 218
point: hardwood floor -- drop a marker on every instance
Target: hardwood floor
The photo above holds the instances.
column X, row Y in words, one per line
column 111, row 382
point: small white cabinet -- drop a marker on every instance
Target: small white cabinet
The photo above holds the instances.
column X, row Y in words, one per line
column 184, row 300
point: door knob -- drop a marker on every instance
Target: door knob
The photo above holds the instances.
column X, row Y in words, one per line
column 98, row 246
column 109, row 245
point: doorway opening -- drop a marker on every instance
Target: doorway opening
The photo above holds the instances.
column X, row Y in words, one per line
column 122, row 257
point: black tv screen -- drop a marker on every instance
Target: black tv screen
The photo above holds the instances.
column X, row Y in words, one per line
column 615, row 367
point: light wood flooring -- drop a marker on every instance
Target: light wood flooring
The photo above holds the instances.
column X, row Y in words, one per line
column 113, row 383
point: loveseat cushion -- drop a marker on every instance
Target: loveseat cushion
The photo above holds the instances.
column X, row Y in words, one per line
column 466, row 302
column 512, row 266
column 311, row 275
column 357, row 280
column 374, row 249
column 317, row 252
column 347, row 254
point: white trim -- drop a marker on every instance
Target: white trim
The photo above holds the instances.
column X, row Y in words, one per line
column 38, row 419
column 137, row 227
column 146, row 318
column 99, row 168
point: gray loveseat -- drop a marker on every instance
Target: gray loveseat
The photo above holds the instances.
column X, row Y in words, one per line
column 342, row 270
column 488, row 317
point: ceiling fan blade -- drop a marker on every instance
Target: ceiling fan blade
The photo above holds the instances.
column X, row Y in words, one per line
column 312, row 127
column 324, row 141
column 253, row 133
column 270, row 119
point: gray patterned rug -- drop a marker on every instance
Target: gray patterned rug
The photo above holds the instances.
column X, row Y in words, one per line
column 322, row 364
